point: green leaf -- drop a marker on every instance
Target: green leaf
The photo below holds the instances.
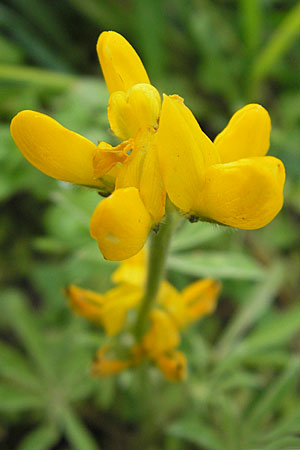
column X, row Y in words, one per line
column 272, row 398
column 27, row 328
column 276, row 330
column 251, row 21
column 191, row 236
column 41, row 438
column 16, row 368
column 196, row 432
column 15, row 400
column 220, row 265
column 284, row 36
column 252, row 309
column 78, row 435
column 36, row 76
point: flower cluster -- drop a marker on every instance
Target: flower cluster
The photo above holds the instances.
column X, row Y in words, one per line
column 163, row 152
column 172, row 312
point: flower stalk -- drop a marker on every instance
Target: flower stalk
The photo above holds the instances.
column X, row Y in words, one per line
column 158, row 253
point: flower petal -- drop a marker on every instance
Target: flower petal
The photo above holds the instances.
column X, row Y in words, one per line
column 180, row 153
column 132, row 270
column 86, row 303
column 106, row 157
column 163, row 335
column 246, row 135
column 130, row 111
column 106, row 365
column 172, row 365
column 117, row 302
column 200, row 298
column 152, row 190
column 120, row 224
column 246, row 194
column 53, row 149
column 120, row 64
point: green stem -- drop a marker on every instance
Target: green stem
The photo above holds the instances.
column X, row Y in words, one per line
column 158, row 253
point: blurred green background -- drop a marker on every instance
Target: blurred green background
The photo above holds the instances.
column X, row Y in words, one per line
column 242, row 392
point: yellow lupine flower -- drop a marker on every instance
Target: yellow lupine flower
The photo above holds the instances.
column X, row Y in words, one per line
column 109, row 309
column 229, row 181
column 133, row 114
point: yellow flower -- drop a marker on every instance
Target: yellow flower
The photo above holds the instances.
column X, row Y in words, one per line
column 195, row 301
column 229, row 181
column 133, row 114
column 109, row 310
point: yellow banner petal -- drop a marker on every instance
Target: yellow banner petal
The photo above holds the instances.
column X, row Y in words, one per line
column 245, row 194
column 121, row 224
column 246, row 135
column 120, row 64
column 53, row 149
column 179, row 153
column 130, row 111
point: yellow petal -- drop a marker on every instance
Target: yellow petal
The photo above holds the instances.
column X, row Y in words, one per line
column 162, row 336
column 200, row 298
column 151, row 186
column 116, row 304
column 120, row 224
column 120, row 64
column 132, row 270
column 246, row 135
column 246, row 194
column 173, row 365
column 86, row 303
column 180, row 155
column 130, row 111
column 129, row 174
column 106, row 365
column 53, row 149
column 171, row 300
column 106, row 157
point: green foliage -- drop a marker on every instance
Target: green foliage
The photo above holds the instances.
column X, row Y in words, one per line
column 242, row 391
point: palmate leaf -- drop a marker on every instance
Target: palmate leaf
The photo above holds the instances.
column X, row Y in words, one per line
column 27, row 328
column 41, row 438
column 276, row 330
column 196, row 432
column 253, row 308
column 272, row 398
column 76, row 433
column 16, row 400
column 190, row 237
column 16, row 368
column 222, row 265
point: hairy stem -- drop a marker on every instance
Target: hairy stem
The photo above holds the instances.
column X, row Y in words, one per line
column 158, row 253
